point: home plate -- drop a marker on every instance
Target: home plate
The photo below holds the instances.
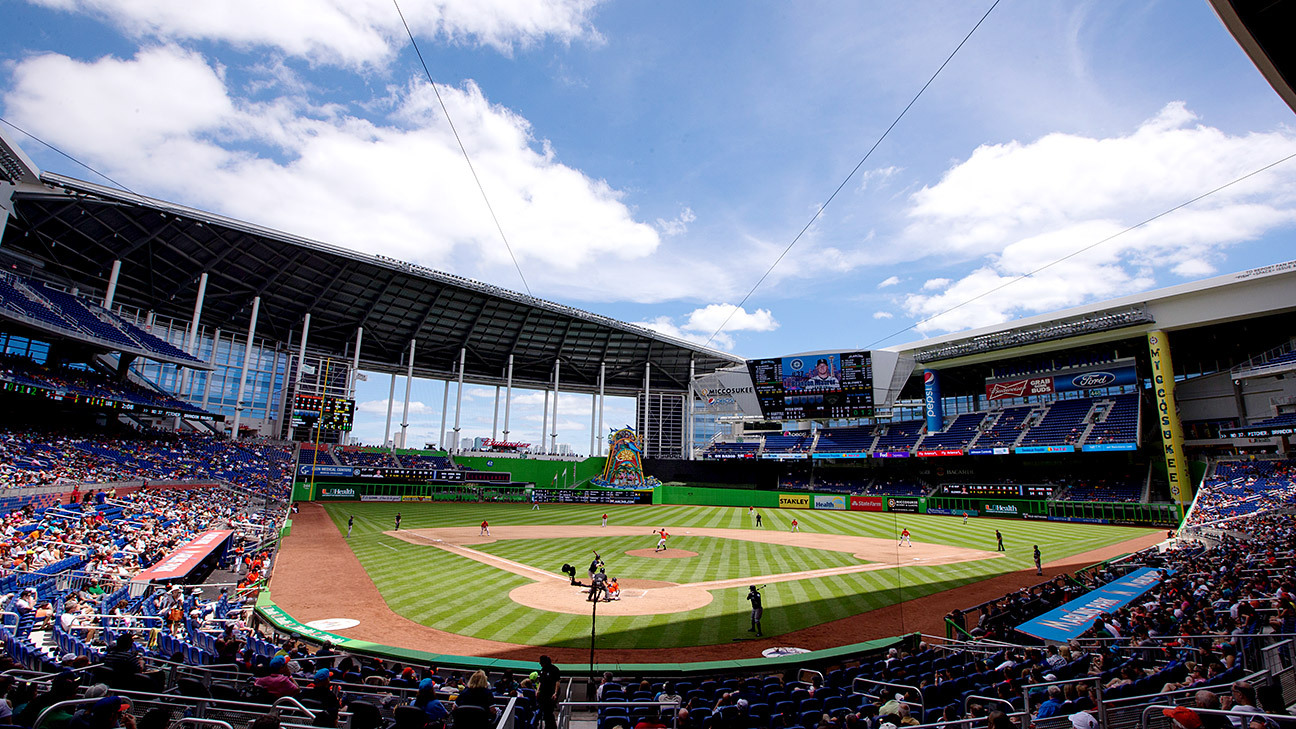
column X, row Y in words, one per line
column 333, row 624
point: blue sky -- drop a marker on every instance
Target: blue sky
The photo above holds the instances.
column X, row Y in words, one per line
column 648, row 161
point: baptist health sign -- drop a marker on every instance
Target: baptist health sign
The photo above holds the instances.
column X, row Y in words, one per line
column 1074, row 618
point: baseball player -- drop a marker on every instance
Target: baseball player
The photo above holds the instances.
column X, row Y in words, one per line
column 485, row 529
column 661, row 540
column 999, row 539
column 398, row 521
column 595, row 565
column 904, row 538
column 965, row 518
column 350, row 525
column 535, row 501
column 1039, row 566
column 796, row 527
column 605, row 520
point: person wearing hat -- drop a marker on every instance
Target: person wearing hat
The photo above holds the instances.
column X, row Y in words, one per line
column 821, row 377
column 322, row 690
column 106, row 713
column 426, row 700
column 754, row 597
column 277, row 683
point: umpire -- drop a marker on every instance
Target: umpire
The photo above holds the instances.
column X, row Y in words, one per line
column 755, row 597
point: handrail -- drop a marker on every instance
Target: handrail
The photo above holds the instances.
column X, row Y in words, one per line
column 967, row 702
column 506, row 715
column 70, row 702
column 921, row 703
column 608, row 704
column 190, row 720
column 1143, row 720
column 294, row 703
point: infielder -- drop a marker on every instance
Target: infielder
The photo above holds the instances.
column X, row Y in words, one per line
column 605, row 520
column 904, row 538
column 661, row 540
column 965, row 518
column 796, row 527
column 485, row 529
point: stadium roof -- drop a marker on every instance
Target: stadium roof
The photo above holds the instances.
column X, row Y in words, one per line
column 71, row 231
column 1263, row 29
column 1234, row 297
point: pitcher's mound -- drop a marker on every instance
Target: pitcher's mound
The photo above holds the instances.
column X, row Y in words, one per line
column 661, row 553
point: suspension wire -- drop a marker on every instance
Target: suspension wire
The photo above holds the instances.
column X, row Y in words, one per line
column 860, row 164
column 462, row 149
column 1089, row 247
column 11, row 125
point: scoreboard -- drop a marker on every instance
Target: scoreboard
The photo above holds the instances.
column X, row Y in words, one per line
column 814, row 386
column 591, row 496
column 1003, row 490
column 331, row 413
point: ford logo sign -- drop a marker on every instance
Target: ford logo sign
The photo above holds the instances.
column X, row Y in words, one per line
column 1093, row 379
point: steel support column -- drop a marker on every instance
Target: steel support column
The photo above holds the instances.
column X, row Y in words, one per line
column 247, row 354
column 112, row 285
column 508, row 396
column 391, row 401
column 409, row 381
column 463, row 354
column 553, row 435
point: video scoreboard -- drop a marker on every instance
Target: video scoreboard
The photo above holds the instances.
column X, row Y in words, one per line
column 331, row 413
column 814, row 386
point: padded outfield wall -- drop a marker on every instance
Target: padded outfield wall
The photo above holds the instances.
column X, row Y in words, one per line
column 536, row 471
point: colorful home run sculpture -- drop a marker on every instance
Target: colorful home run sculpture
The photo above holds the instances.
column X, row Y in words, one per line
column 624, row 467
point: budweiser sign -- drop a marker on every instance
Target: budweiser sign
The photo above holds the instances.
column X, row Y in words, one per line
column 1019, row 388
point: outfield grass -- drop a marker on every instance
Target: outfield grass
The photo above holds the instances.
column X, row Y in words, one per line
column 460, row 595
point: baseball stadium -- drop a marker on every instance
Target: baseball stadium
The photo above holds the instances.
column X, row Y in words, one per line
column 1076, row 519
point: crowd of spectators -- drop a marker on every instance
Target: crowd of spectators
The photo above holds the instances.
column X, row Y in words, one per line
column 31, row 458
column 86, row 382
column 1238, row 488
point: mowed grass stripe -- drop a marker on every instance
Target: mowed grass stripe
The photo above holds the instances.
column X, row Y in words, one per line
column 440, row 589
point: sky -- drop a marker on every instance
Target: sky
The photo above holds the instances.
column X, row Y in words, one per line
column 651, row 161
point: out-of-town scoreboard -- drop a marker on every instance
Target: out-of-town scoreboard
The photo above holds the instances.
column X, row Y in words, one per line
column 330, row 413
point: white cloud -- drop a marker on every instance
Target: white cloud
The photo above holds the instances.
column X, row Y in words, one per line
column 1018, row 207
column 883, row 315
column 679, row 225
column 701, row 324
column 356, row 33
column 379, row 407
column 879, row 175
column 889, row 281
column 353, row 182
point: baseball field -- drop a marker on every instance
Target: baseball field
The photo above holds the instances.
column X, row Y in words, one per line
column 439, row 584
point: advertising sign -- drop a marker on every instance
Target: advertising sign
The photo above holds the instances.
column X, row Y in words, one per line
column 940, row 452
column 727, row 392
column 784, row 456
column 837, row 503
column 891, row 454
column 380, row 497
column 823, row 456
column 1072, row 379
column 996, row 451
column 1028, row 387
column 1045, row 449
column 794, row 501
column 933, row 407
column 904, row 504
column 186, row 557
column 1163, row 385
column 1101, row 447
column 866, row 503
column 1077, row 616
column 953, row 512
column 337, row 493
column 319, row 469
column 1001, row 510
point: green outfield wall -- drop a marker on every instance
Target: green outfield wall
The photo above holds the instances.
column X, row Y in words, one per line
column 705, row 496
column 541, row 473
